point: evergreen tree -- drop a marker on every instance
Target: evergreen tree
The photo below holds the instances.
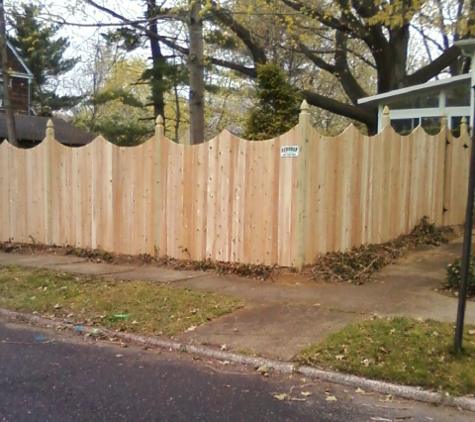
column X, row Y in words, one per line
column 44, row 55
column 277, row 107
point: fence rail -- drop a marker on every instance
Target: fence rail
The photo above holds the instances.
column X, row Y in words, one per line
column 230, row 199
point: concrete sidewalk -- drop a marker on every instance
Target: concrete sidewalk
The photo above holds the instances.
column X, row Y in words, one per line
column 281, row 318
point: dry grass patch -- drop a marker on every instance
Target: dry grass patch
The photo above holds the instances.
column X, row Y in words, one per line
column 141, row 307
column 401, row 350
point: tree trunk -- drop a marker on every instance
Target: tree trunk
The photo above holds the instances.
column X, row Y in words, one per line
column 7, row 93
column 158, row 63
column 195, row 63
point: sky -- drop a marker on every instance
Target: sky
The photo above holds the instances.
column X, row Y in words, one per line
column 81, row 38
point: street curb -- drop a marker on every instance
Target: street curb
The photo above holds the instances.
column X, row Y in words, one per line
column 411, row 393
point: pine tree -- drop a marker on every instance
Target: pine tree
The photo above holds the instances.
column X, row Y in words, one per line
column 43, row 52
column 277, row 108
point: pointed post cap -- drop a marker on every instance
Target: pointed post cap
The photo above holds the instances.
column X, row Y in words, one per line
column 463, row 125
column 49, row 129
column 385, row 120
column 304, row 107
column 443, row 121
column 159, row 129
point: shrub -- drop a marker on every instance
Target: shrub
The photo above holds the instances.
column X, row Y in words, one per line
column 453, row 275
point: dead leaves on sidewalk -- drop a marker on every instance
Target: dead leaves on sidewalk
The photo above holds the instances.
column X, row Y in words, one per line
column 358, row 264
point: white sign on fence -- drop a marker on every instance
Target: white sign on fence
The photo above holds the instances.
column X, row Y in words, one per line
column 289, row 151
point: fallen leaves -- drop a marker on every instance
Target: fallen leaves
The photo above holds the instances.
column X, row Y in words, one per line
column 366, row 362
column 331, row 398
column 281, row 396
column 263, row 370
column 358, row 264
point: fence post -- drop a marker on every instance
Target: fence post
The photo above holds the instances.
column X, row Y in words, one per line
column 463, row 127
column 446, row 208
column 157, row 212
column 302, row 184
column 50, row 138
column 386, row 120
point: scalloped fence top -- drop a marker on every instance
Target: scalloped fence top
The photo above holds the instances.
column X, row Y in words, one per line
column 283, row 201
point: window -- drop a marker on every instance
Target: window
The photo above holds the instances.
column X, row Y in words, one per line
column 404, row 126
column 426, row 101
column 431, row 125
column 458, row 96
column 2, row 93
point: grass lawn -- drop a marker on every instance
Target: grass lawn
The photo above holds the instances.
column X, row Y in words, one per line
column 140, row 307
column 399, row 350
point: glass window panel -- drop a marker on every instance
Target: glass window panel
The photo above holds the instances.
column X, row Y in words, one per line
column 403, row 104
column 424, row 101
column 432, row 125
column 458, row 96
column 404, row 126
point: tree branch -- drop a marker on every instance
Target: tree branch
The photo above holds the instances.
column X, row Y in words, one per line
column 432, row 69
column 329, row 21
column 225, row 17
column 251, row 72
column 348, row 82
column 363, row 114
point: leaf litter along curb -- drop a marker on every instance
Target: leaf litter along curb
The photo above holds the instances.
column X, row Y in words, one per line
column 399, row 350
column 135, row 306
column 358, row 264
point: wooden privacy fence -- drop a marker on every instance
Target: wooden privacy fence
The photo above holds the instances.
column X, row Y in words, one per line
column 230, row 199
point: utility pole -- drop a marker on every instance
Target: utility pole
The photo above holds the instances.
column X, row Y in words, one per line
column 7, row 93
column 195, row 63
column 468, row 49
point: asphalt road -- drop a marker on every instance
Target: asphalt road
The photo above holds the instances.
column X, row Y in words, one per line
column 46, row 376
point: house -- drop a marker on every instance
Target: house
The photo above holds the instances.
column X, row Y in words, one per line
column 20, row 81
column 426, row 104
column 31, row 129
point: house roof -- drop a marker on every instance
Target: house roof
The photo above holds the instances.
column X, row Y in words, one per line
column 28, row 73
column 421, row 89
column 33, row 129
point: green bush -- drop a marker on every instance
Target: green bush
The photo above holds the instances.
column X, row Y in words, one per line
column 277, row 104
column 453, row 275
